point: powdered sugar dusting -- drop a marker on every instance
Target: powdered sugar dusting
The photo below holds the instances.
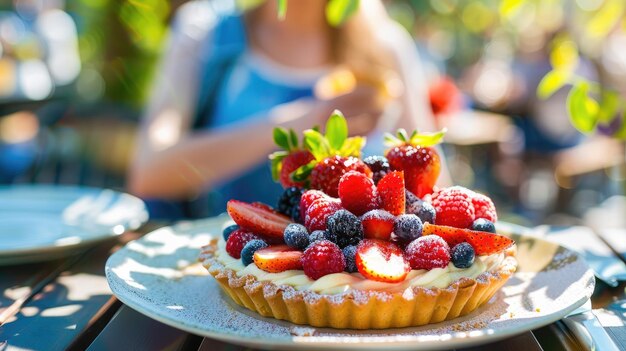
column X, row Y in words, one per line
column 551, row 282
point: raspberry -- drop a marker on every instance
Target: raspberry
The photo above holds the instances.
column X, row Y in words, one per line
column 321, row 258
column 349, row 254
column 345, row 227
column 229, row 230
column 428, row 252
column 462, row 255
column 379, row 166
column 408, row 227
column 483, row 225
column 453, row 207
column 247, row 253
column 307, row 199
column 357, row 193
column 378, row 224
column 484, row 207
column 318, row 212
column 296, row 236
column 237, row 240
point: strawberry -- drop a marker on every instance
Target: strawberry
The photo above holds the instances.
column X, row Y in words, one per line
column 378, row 224
column 484, row 207
column 258, row 220
column 321, row 258
column 483, row 243
column 286, row 161
column 392, row 194
column 417, row 157
column 276, row 259
column 335, row 154
column 318, row 212
column 237, row 240
column 381, row 261
column 357, row 193
column 263, row 206
column 453, row 207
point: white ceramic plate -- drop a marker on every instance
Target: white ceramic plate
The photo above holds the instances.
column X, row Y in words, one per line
column 157, row 276
column 42, row 222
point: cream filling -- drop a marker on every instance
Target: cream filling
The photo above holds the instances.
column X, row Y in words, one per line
column 341, row 282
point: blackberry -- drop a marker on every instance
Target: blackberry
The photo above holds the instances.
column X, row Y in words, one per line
column 349, row 253
column 228, row 230
column 318, row 235
column 484, row 225
column 247, row 253
column 408, row 227
column 289, row 199
column 462, row 255
column 295, row 214
column 296, row 236
column 379, row 166
column 345, row 227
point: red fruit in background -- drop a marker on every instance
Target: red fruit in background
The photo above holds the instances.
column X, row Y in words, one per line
column 357, row 193
column 381, row 260
column 454, row 207
column 428, row 252
column 316, row 214
column 326, row 174
column 484, row 207
column 378, row 224
column 444, row 96
column 257, row 219
column 276, row 259
column 417, row 157
column 290, row 158
column 321, row 258
column 483, row 243
column 291, row 162
column 391, row 193
column 237, row 240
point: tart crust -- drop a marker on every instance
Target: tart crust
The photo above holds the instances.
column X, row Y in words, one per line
column 358, row 309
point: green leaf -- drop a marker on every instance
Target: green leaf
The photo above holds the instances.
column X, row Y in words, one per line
column 293, row 138
column 353, row 146
column 281, row 138
column 336, row 130
column 609, row 105
column 316, row 143
column 551, row 82
column 428, row 139
column 583, row 110
column 302, row 173
column 276, row 159
column 338, row 11
column 402, row 134
column 282, row 9
column 390, row 140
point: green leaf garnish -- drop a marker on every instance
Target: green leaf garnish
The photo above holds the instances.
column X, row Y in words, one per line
column 336, row 130
column 276, row 159
column 583, row 110
column 317, row 144
column 281, row 138
column 353, row 146
column 552, row 82
column 302, row 173
column 293, row 139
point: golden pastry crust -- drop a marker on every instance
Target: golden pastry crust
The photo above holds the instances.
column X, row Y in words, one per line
column 358, row 309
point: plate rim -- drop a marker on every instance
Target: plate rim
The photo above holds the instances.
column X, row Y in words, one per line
column 454, row 341
column 27, row 253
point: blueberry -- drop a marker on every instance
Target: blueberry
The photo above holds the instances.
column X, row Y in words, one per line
column 484, row 225
column 379, row 166
column 318, row 235
column 427, row 213
column 349, row 253
column 296, row 236
column 247, row 253
column 408, row 227
column 346, row 227
column 462, row 255
column 228, row 230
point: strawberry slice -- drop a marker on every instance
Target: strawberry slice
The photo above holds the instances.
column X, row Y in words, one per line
column 381, row 260
column 378, row 224
column 263, row 206
column 257, row 219
column 391, row 192
column 483, row 243
column 276, row 259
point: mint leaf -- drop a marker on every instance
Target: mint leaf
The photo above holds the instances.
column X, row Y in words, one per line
column 302, row 173
column 281, row 138
column 352, row 147
column 551, row 82
column 336, row 130
column 428, row 139
column 583, row 110
column 316, row 143
column 293, row 139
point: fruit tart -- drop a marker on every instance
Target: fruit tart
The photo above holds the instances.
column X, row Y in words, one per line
column 361, row 243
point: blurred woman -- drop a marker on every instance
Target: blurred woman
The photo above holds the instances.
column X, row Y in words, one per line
column 229, row 77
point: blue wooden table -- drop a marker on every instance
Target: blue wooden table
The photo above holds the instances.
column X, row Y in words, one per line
column 67, row 304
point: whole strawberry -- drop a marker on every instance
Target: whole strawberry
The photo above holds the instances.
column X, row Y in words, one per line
column 417, row 157
column 286, row 161
column 335, row 155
